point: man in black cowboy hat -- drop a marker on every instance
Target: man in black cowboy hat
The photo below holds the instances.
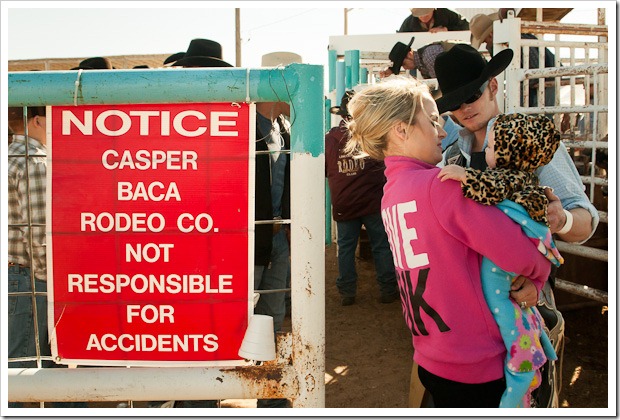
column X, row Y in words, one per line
column 95, row 63
column 201, row 53
column 422, row 59
column 356, row 187
column 173, row 57
column 469, row 90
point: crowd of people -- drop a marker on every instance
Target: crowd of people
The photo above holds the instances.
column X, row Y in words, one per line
column 440, row 214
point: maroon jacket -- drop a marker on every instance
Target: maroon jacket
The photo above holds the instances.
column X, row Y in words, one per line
column 356, row 185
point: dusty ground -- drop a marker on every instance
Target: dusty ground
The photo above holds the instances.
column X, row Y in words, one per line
column 368, row 349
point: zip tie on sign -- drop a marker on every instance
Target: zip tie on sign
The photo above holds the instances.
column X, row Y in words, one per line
column 247, row 85
column 77, row 86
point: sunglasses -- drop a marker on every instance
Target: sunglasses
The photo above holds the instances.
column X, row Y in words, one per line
column 474, row 97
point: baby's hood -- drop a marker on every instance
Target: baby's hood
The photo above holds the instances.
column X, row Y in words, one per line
column 524, row 142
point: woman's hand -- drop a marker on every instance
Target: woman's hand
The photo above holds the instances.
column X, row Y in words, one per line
column 454, row 172
column 524, row 292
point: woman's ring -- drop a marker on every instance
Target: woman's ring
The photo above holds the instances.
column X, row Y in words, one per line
column 523, row 305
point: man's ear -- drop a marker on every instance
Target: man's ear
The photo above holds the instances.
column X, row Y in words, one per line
column 38, row 121
column 493, row 86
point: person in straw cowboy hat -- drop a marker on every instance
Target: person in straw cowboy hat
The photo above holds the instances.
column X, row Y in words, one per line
column 481, row 27
column 356, row 187
column 434, row 20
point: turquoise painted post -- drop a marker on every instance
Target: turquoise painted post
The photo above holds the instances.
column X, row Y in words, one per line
column 332, row 58
column 328, row 214
column 347, row 64
column 328, row 201
column 363, row 75
column 355, row 67
column 340, row 79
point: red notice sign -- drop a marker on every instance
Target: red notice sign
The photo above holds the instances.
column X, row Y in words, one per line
column 150, row 253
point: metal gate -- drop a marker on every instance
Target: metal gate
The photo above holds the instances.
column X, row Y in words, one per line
column 298, row 372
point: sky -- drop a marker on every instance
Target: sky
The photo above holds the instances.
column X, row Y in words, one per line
column 90, row 28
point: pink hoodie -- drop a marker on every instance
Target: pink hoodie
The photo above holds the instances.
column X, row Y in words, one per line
column 438, row 238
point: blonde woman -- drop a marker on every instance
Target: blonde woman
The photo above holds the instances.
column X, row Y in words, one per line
column 438, row 239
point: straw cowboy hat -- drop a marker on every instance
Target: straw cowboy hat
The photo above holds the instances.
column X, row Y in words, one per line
column 202, row 53
column 398, row 54
column 280, row 58
column 481, row 26
column 421, row 12
column 342, row 110
column 94, row 63
column 461, row 72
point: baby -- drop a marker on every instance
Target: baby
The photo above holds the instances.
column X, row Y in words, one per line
column 517, row 145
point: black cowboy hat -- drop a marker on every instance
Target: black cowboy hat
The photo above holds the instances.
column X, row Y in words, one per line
column 202, row 53
column 174, row 57
column 342, row 110
column 94, row 63
column 398, row 54
column 462, row 70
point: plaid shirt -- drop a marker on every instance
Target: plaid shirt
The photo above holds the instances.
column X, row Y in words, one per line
column 424, row 59
column 23, row 194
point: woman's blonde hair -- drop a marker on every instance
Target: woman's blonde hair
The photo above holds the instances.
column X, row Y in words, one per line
column 377, row 108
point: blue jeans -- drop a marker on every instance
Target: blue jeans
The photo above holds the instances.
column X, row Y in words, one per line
column 273, row 277
column 348, row 236
column 21, row 326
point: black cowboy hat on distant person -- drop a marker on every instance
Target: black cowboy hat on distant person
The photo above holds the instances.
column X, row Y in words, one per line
column 95, row 63
column 342, row 110
column 174, row 57
column 461, row 72
column 398, row 54
column 202, row 53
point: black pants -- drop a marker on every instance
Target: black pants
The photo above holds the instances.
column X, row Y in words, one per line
column 451, row 394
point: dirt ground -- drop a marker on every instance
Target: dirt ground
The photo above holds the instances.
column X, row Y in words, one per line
column 368, row 348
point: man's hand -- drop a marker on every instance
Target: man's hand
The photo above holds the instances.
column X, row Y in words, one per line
column 523, row 290
column 555, row 213
column 438, row 29
column 385, row 73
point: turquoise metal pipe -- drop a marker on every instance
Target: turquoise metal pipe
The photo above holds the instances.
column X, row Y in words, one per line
column 299, row 84
column 151, row 86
